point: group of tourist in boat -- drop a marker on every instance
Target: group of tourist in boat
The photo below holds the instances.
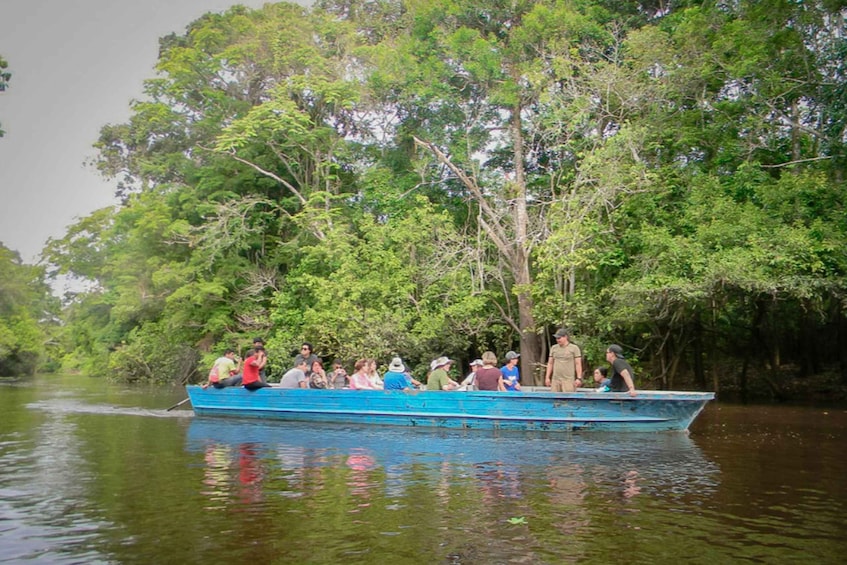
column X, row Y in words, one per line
column 563, row 373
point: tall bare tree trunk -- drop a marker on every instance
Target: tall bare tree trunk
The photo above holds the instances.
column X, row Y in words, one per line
column 530, row 339
column 509, row 234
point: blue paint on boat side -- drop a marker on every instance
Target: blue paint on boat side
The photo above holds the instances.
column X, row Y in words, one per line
column 649, row 411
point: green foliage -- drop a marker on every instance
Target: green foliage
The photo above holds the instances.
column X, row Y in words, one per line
column 152, row 354
column 444, row 177
column 384, row 289
column 27, row 313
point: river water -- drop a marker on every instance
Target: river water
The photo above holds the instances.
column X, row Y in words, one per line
column 99, row 473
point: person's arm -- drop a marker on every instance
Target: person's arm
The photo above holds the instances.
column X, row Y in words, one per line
column 578, row 367
column 549, row 371
column 628, row 380
column 501, row 386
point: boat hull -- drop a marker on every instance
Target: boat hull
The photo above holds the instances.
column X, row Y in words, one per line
column 650, row 411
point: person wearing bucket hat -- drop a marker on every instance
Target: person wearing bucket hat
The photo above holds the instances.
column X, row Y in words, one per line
column 397, row 378
column 439, row 379
column 511, row 373
column 623, row 377
column 564, row 367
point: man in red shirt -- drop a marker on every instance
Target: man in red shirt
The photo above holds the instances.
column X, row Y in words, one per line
column 253, row 365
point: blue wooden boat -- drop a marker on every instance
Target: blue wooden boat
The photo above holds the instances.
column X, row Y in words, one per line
column 650, row 411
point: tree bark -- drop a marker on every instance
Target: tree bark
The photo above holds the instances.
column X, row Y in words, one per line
column 509, row 234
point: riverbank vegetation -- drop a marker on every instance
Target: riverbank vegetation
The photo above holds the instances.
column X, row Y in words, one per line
column 443, row 177
column 28, row 317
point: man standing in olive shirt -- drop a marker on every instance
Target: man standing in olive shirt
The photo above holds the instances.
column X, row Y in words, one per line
column 564, row 365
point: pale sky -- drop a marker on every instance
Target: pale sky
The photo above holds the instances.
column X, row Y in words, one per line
column 76, row 65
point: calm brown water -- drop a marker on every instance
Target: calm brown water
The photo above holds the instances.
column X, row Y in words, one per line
column 93, row 473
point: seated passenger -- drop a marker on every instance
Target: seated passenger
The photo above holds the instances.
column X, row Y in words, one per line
column 318, row 379
column 431, row 369
column 511, row 373
column 601, row 379
column 360, row 380
column 376, row 380
column 338, row 378
column 397, row 378
column 439, row 379
column 223, row 369
column 489, row 377
column 307, row 354
column 470, row 381
column 259, row 343
column 253, row 365
column 296, row 377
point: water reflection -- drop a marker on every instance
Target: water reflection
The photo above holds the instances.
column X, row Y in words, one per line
column 497, row 463
column 512, row 490
column 40, row 485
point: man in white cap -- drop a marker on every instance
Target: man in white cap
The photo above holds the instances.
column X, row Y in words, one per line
column 397, row 378
column 439, row 379
column 564, row 365
column 470, row 381
column 511, row 373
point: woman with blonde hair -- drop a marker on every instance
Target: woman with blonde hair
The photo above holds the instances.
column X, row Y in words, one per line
column 489, row 377
column 373, row 375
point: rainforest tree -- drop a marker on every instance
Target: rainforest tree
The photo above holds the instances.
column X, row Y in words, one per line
column 27, row 315
column 444, row 177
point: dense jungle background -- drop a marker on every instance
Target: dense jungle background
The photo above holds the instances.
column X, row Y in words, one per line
column 441, row 177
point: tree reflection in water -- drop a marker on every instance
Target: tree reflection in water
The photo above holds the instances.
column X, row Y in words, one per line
column 475, row 495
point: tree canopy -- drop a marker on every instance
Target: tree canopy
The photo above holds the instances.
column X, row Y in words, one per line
column 27, row 315
column 449, row 176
